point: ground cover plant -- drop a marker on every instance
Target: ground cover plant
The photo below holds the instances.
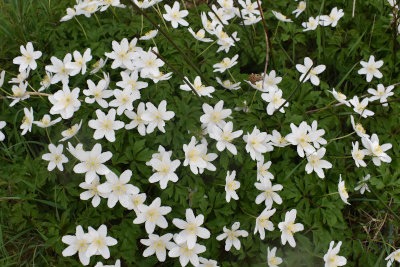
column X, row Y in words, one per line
column 205, row 133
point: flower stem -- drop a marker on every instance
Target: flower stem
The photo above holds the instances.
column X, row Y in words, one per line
column 247, row 212
column 206, row 49
column 81, row 27
column 231, row 76
column 342, row 137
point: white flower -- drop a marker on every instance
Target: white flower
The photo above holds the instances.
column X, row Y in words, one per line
column 331, row 258
column 360, row 108
column 207, row 158
column 98, row 65
column 56, row 157
column 208, row 25
column 278, row 140
column 158, row 245
column 107, row 3
column 99, row 92
column 165, row 170
column 145, row 4
column 105, row 125
column 65, row 102
column 262, row 170
column 193, row 156
column 156, row 117
column 77, row 242
column 175, row 16
column 362, row 186
column 73, row 150
column 2, row 125
column 70, row 14
column 92, row 162
column 99, row 242
column 394, row 256
column 271, row 81
column 89, row 8
column 117, row 264
column 137, row 120
column 370, row 68
column 302, row 137
column 300, row 8
column 269, row 195
column 191, row 229
column 372, row 148
column 160, row 77
column 149, row 35
column 358, row 155
column 339, row 97
column 231, row 186
column 333, row 17
column 257, row 144
column 135, row 201
column 251, row 19
column 220, row 16
column 312, row 75
column 358, row 128
column 124, row 100
column 27, row 121
column 28, row 58
column 159, row 155
column 382, row 94
column 71, row 132
column 225, row 64
column 79, row 65
column 92, row 191
column 249, row 7
column 185, row 254
column 118, row 188
column 19, row 93
column 2, row 77
column 232, row 236
column 153, row 215
column 316, row 164
column 281, row 17
column 46, row 121
column 61, row 72
column 200, row 35
column 21, row 77
column 318, row 135
column 214, row 116
column 311, row 25
column 275, row 100
column 288, row 228
column 122, row 55
column 207, row 263
column 342, row 190
column 201, row 89
column 46, row 82
column 228, row 84
column 148, row 63
column 225, row 137
column 263, row 222
column 130, row 80
column 273, row 261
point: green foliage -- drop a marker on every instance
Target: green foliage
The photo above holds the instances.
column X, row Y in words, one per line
column 38, row 207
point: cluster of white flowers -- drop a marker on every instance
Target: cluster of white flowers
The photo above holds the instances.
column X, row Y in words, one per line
column 88, row 7
column 135, row 62
column 95, row 242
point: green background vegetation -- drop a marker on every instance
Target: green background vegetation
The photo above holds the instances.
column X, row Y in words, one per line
column 38, row 207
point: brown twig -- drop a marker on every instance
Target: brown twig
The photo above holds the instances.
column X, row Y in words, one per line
column 266, row 40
